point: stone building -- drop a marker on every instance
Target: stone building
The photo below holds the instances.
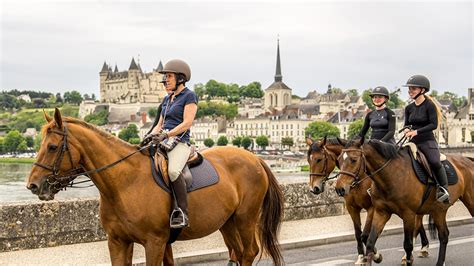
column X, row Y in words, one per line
column 132, row 85
column 278, row 95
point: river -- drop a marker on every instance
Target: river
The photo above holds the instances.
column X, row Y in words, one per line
column 13, row 184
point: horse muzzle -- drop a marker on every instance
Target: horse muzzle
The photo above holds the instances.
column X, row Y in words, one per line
column 317, row 190
column 343, row 191
column 42, row 191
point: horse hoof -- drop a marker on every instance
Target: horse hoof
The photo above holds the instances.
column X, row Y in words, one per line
column 423, row 253
column 378, row 258
column 361, row 260
column 232, row 263
column 406, row 262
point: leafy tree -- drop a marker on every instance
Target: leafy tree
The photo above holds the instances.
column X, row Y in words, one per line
column 134, row 140
column 8, row 102
column 262, row 141
column 252, row 90
column 208, row 143
column 222, row 141
column 39, row 103
column 355, row 127
column 353, row 92
column 153, row 112
column 86, row 96
column 199, row 90
column 237, row 141
column 457, row 101
column 287, row 141
column 246, row 142
column 30, row 142
column 100, row 118
column 12, row 140
column 22, row 146
column 73, row 97
column 38, row 140
column 2, row 149
column 216, row 109
column 59, row 99
column 320, row 129
column 214, row 88
column 93, row 97
column 131, row 131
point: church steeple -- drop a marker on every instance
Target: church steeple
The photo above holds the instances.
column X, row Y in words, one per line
column 133, row 65
column 278, row 76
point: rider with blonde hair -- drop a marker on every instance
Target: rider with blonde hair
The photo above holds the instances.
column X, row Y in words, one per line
column 424, row 116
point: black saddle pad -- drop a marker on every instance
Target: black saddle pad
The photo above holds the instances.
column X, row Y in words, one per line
column 203, row 175
column 425, row 178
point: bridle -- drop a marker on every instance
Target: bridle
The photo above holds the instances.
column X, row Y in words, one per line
column 362, row 166
column 325, row 169
column 57, row 181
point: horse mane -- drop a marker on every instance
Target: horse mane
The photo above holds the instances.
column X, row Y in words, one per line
column 385, row 149
column 315, row 146
column 92, row 127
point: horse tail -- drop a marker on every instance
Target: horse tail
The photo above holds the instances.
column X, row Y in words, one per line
column 432, row 227
column 271, row 217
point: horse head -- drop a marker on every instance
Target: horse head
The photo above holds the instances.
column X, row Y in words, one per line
column 57, row 159
column 321, row 164
column 352, row 164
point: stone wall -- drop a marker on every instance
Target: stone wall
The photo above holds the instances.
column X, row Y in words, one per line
column 46, row 224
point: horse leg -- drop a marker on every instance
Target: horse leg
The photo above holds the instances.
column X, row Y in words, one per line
column 232, row 241
column 155, row 251
column 408, row 230
column 247, row 228
column 378, row 223
column 424, row 239
column 121, row 251
column 365, row 233
column 439, row 219
column 355, row 216
column 168, row 257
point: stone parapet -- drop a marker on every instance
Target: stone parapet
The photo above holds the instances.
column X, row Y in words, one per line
column 28, row 225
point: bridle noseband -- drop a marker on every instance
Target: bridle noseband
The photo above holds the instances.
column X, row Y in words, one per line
column 325, row 169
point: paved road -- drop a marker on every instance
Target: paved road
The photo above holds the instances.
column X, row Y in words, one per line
column 460, row 251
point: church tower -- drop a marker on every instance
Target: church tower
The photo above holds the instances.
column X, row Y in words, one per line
column 278, row 95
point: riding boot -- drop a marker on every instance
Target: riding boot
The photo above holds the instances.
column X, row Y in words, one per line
column 442, row 194
column 179, row 217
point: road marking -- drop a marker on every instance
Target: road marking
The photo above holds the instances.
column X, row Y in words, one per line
column 326, row 263
column 450, row 243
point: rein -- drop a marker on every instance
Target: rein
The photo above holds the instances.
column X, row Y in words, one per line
column 56, row 181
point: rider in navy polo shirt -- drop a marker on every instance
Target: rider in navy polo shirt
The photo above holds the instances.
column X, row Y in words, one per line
column 177, row 114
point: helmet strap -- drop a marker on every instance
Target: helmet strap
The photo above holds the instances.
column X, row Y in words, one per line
column 420, row 93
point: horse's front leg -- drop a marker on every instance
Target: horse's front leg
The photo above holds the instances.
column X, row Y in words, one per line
column 155, row 251
column 378, row 223
column 121, row 251
column 355, row 216
column 365, row 233
column 439, row 219
column 408, row 230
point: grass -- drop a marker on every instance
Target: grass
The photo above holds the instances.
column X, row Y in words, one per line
column 305, row 168
column 17, row 160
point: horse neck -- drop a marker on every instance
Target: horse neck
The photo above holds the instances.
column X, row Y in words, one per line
column 384, row 178
column 98, row 150
column 335, row 149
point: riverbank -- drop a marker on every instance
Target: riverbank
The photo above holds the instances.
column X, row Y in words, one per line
column 17, row 160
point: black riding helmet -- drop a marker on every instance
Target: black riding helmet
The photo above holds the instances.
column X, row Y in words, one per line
column 380, row 90
column 418, row 81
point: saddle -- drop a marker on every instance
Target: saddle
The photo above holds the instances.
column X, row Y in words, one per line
column 197, row 173
column 423, row 169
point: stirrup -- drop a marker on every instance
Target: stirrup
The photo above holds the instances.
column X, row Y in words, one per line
column 442, row 195
column 175, row 215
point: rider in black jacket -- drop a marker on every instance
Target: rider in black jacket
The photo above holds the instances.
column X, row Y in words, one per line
column 424, row 117
column 382, row 119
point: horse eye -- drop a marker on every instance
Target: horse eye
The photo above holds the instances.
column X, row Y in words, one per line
column 318, row 160
column 353, row 161
column 52, row 147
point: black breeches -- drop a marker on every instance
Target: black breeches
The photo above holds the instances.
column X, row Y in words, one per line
column 431, row 151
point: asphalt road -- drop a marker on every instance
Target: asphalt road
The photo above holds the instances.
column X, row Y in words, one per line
column 460, row 251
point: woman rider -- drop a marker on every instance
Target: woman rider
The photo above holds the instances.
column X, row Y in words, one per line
column 382, row 119
column 177, row 115
column 424, row 117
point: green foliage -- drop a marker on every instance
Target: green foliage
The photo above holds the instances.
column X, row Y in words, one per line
column 222, row 141
column 447, row 95
column 2, row 148
column 353, row 92
column 9, row 102
column 73, row 97
column 231, row 92
column 287, row 141
column 134, row 140
column 12, row 140
column 152, row 112
column 208, row 143
column 30, row 142
column 355, row 127
column 262, row 141
column 216, row 109
column 100, row 118
column 246, row 142
column 394, row 102
column 252, row 90
column 237, row 141
column 129, row 132
column 34, row 118
column 38, row 140
column 319, row 129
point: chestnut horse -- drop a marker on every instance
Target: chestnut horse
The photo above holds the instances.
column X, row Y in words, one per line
column 246, row 205
column 322, row 158
column 396, row 190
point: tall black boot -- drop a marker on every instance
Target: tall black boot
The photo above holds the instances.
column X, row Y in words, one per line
column 442, row 194
column 179, row 217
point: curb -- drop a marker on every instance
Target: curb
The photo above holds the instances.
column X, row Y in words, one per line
column 222, row 253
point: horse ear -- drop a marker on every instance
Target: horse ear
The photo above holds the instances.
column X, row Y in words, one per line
column 361, row 141
column 309, row 141
column 46, row 116
column 324, row 141
column 340, row 141
column 57, row 118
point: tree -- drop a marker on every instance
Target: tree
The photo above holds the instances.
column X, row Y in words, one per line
column 99, row 118
column 208, row 143
column 93, row 96
column 38, row 140
column 237, row 141
column 246, row 142
column 129, row 132
column 287, row 141
column 134, row 140
column 30, row 142
column 12, row 140
column 252, row 90
column 262, row 141
column 73, row 97
column 153, row 112
column 22, row 146
column 59, row 99
column 355, row 127
column 2, row 148
column 353, row 92
column 222, row 141
column 321, row 129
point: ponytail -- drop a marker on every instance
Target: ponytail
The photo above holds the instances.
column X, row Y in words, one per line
column 438, row 110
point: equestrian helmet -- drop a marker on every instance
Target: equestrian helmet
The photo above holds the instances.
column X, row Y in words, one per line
column 380, row 90
column 418, row 81
column 177, row 66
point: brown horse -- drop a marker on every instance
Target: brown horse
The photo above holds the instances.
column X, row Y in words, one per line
column 396, row 190
column 322, row 158
column 246, row 205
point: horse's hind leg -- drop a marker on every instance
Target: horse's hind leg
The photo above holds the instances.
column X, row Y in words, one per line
column 168, row 257
column 121, row 251
column 424, row 239
column 247, row 228
column 408, row 230
column 232, row 241
column 439, row 219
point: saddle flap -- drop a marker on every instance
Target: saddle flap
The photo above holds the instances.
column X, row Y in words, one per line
column 418, row 156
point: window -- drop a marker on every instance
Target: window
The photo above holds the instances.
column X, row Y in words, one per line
column 471, row 116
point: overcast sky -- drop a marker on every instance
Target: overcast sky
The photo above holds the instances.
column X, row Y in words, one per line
column 57, row 46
